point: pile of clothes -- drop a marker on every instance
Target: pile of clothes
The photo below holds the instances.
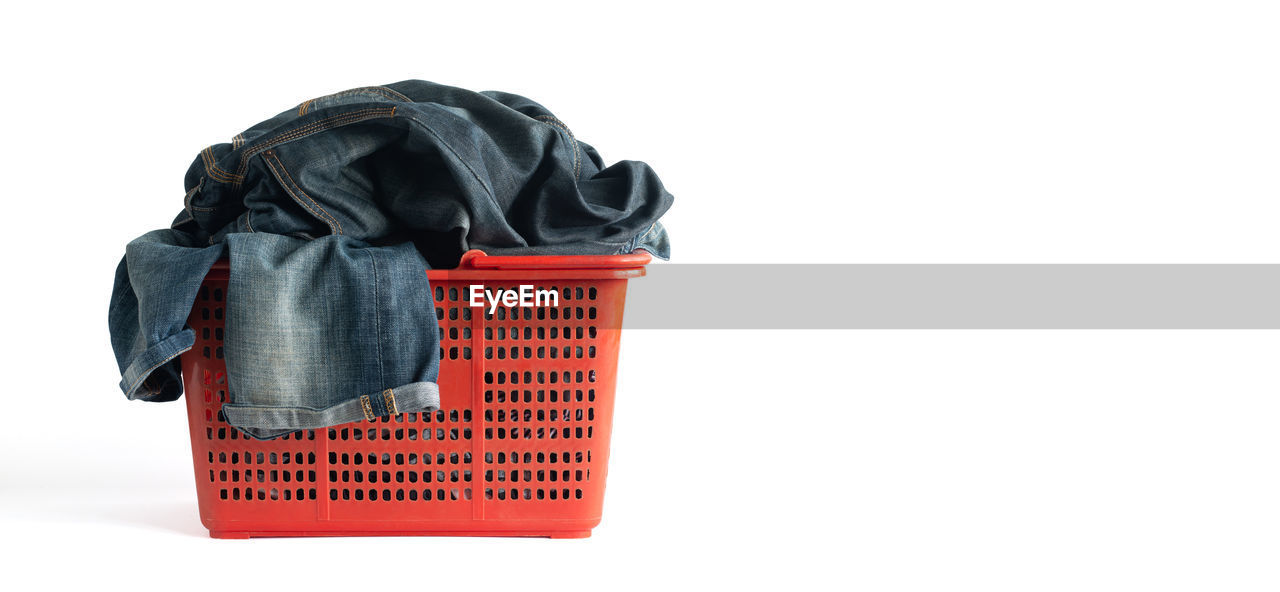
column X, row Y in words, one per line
column 330, row 213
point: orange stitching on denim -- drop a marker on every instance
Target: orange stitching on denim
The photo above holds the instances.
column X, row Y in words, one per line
column 389, row 400
column 652, row 227
column 368, row 407
column 379, row 90
column 211, row 167
column 299, row 132
column 316, row 126
column 238, row 140
column 282, row 174
column 552, row 120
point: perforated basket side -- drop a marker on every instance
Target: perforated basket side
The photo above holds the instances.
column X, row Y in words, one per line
column 519, row 447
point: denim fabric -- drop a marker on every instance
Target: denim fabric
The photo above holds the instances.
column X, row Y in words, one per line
column 318, row 333
column 311, row 323
column 155, row 286
column 331, row 212
column 447, row 168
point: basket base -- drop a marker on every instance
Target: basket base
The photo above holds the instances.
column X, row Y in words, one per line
column 246, row 534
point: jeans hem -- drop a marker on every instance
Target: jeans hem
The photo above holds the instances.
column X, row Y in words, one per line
column 264, row 422
column 152, row 358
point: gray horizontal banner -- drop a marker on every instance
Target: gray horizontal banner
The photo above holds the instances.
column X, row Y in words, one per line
column 810, row 296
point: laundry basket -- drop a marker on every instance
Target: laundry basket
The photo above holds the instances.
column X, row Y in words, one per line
column 519, row 447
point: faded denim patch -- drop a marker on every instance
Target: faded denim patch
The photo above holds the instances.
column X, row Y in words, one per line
column 318, row 331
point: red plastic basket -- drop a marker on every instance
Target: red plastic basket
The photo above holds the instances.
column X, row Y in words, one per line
column 519, row 447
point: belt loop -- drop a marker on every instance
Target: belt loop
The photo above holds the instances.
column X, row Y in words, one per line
column 367, row 405
column 389, row 402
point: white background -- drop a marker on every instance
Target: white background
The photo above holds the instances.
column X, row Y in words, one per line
column 938, row 132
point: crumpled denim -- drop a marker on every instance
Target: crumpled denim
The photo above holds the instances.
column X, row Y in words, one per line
column 330, row 213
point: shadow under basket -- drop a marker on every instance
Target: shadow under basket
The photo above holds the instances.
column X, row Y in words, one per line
column 519, row 447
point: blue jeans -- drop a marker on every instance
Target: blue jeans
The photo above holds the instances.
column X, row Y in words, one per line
column 330, row 214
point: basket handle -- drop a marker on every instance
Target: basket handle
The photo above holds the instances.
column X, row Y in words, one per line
column 476, row 259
